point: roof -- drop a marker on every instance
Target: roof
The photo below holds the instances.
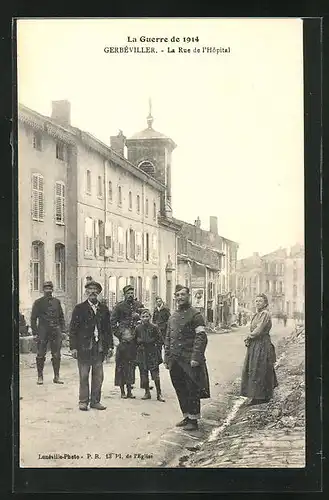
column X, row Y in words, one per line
column 71, row 135
column 149, row 133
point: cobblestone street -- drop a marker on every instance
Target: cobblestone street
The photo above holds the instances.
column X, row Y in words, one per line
column 130, row 433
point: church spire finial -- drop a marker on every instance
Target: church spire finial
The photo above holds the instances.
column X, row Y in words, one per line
column 150, row 117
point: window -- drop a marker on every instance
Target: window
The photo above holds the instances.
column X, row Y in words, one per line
column 154, row 289
column 280, row 287
column 59, row 266
column 112, row 291
column 267, row 285
column 37, row 141
column 154, row 247
column 146, row 207
column 59, row 202
column 130, row 244
column 295, row 274
column 88, row 182
column 60, row 151
column 132, row 281
column 109, row 244
column 138, row 204
column 100, row 187
column 210, row 290
column 154, row 211
column 147, row 290
column 121, row 284
column 274, row 286
column 101, row 238
column 138, row 246
column 110, row 191
column 37, row 197
column 130, row 201
column 121, row 245
column 37, row 265
column 119, row 196
column 89, row 234
column 146, row 247
column 295, row 291
column 224, row 284
column 139, row 289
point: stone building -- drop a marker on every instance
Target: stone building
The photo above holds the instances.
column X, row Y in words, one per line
column 85, row 211
column 294, row 282
column 46, row 155
column 206, row 263
column 262, row 274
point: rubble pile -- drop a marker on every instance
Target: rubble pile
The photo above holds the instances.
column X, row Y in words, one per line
column 285, row 411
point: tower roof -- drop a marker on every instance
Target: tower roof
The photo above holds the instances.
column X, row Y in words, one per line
column 149, row 132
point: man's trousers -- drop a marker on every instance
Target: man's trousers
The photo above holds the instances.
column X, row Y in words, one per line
column 95, row 364
column 188, row 392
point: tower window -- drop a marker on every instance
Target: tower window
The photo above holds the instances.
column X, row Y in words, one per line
column 147, row 167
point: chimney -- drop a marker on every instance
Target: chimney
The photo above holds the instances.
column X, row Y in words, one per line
column 61, row 112
column 197, row 222
column 213, row 224
column 118, row 142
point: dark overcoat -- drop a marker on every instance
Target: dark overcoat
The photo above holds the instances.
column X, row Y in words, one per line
column 160, row 318
column 124, row 319
column 82, row 328
column 186, row 340
column 47, row 315
column 148, row 340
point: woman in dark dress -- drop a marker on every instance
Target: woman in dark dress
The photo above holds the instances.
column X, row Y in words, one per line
column 258, row 374
column 148, row 359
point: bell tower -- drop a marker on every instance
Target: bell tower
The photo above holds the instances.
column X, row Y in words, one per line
column 151, row 151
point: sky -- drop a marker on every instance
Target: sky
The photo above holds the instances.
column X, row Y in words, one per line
column 237, row 117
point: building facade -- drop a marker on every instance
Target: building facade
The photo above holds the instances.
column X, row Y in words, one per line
column 85, row 211
column 206, row 263
column 88, row 212
column 279, row 274
column 294, row 282
column 46, row 154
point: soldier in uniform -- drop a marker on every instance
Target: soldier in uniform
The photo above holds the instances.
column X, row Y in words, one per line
column 48, row 325
column 124, row 319
column 185, row 345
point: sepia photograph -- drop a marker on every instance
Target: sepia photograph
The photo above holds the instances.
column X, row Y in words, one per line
column 161, row 243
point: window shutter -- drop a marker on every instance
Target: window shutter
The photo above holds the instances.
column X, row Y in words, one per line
column 96, row 237
column 127, row 244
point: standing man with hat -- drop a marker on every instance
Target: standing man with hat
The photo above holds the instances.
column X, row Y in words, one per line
column 185, row 345
column 91, row 341
column 47, row 324
column 124, row 319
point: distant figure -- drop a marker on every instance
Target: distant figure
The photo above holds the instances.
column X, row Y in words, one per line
column 23, row 328
column 285, row 318
column 148, row 358
column 47, row 323
column 258, row 374
column 240, row 318
column 160, row 318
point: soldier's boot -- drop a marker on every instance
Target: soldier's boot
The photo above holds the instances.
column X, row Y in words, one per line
column 158, row 388
column 40, row 365
column 56, row 364
column 129, row 393
column 122, row 389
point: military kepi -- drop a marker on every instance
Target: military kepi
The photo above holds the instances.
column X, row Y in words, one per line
column 127, row 288
column 95, row 284
column 49, row 284
column 181, row 287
